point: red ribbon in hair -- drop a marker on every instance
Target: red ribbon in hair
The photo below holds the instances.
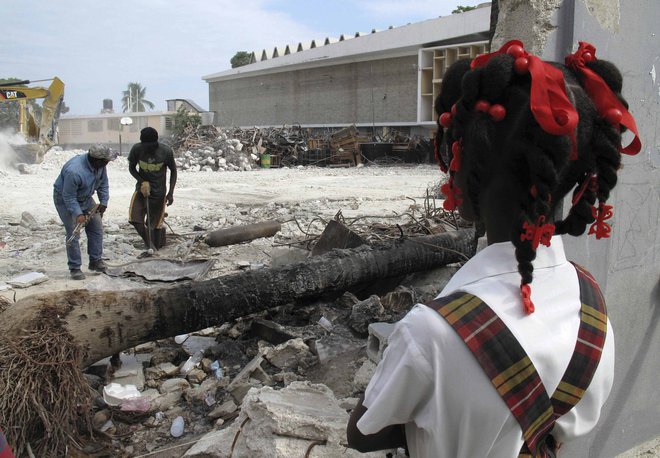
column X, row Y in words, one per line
column 548, row 100
column 602, row 213
column 607, row 103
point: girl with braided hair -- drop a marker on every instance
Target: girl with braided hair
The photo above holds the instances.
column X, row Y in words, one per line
column 515, row 135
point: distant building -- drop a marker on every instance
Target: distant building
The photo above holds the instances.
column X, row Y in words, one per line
column 84, row 130
column 383, row 78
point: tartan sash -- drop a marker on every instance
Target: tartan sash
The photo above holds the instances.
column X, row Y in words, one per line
column 511, row 371
column 5, row 451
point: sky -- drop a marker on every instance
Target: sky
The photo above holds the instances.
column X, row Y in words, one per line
column 98, row 47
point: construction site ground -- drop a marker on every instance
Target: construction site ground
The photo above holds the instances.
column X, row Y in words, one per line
column 203, row 201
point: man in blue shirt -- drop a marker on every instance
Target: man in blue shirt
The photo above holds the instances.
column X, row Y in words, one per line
column 79, row 179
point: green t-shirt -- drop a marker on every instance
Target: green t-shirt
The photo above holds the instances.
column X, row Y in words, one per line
column 152, row 166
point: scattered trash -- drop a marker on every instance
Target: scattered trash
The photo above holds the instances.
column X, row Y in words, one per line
column 114, row 393
column 193, row 361
column 138, row 404
column 181, row 338
column 217, row 370
column 209, row 398
column 325, row 323
column 176, row 430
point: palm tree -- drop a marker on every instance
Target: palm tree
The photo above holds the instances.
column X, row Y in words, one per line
column 133, row 99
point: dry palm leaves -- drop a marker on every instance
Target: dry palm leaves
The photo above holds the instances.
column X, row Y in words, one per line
column 44, row 397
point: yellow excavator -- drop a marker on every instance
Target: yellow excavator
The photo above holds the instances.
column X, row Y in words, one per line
column 42, row 135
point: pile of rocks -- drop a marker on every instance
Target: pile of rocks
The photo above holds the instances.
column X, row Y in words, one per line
column 223, row 154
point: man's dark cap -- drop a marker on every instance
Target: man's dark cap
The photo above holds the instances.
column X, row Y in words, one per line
column 148, row 135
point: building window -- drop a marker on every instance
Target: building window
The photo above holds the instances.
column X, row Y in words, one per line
column 168, row 123
column 76, row 127
column 95, row 125
column 113, row 124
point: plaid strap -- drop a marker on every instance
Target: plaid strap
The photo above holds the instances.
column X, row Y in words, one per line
column 5, row 451
column 588, row 347
column 511, row 371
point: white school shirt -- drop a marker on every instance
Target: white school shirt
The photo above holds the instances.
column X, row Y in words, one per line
column 429, row 380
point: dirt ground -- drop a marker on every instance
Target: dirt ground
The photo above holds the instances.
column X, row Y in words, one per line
column 301, row 199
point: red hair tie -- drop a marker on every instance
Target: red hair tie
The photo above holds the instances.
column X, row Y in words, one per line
column 548, row 100
column 526, row 295
column 539, row 233
column 600, row 227
column 607, row 103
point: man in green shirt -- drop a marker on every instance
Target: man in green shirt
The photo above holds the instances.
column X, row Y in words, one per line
column 148, row 162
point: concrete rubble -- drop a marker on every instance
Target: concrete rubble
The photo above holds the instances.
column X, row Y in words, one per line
column 208, row 148
column 277, row 384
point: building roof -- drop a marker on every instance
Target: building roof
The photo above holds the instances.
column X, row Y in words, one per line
column 191, row 103
column 405, row 40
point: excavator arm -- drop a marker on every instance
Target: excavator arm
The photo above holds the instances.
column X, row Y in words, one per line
column 42, row 136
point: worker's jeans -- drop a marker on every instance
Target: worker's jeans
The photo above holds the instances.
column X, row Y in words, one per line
column 94, row 231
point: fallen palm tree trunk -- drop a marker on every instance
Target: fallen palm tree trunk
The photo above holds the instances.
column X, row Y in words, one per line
column 238, row 234
column 106, row 322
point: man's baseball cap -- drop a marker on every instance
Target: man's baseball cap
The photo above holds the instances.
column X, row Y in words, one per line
column 99, row 151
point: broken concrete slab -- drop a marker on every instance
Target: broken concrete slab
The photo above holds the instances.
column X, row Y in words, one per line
column 28, row 279
column 302, row 419
column 288, row 354
column 377, row 340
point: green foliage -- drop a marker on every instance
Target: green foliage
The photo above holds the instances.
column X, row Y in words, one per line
column 133, row 99
column 182, row 119
column 462, row 9
column 241, row 58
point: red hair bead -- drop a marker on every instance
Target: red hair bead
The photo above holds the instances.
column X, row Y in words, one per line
column 613, row 116
column 561, row 118
column 453, row 110
column 515, row 51
column 482, row 105
column 521, row 65
column 587, row 56
column 445, row 119
column 497, row 112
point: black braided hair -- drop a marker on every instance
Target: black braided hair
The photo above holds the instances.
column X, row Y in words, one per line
column 518, row 156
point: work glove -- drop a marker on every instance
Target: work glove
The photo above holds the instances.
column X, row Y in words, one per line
column 145, row 189
column 170, row 198
column 101, row 210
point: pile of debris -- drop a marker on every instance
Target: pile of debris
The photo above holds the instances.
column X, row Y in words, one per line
column 209, row 148
column 280, row 383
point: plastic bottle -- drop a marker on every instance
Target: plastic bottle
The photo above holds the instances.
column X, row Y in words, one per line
column 192, row 362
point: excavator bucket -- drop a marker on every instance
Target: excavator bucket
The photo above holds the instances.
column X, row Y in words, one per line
column 40, row 138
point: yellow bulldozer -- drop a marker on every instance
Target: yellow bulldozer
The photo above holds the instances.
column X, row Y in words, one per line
column 40, row 134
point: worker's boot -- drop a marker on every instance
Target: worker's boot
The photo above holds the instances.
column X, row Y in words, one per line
column 98, row 266
column 77, row 274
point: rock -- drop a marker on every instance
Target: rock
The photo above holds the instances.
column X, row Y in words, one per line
column 28, row 221
column 196, row 376
column 363, row 375
column 365, row 312
column 400, row 300
column 224, row 410
column 174, row 384
column 210, row 385
column 289, row 354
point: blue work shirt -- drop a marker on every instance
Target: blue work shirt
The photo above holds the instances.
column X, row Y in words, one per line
column 77, row 183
